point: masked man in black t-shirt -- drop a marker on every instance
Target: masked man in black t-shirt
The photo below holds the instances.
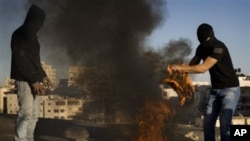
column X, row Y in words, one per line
column 225, row 92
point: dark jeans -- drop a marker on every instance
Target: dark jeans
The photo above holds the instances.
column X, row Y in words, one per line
column 222, row 103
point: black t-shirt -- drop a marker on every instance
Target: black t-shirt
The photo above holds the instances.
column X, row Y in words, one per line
column 222, row 74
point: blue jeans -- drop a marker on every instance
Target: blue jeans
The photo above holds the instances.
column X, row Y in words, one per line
column 222, row 103
column 28, row 113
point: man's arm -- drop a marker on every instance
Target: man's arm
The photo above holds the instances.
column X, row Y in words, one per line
column 195, row 61
column 197, row 68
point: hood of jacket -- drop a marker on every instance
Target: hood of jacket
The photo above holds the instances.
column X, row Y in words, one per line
column 34, row 19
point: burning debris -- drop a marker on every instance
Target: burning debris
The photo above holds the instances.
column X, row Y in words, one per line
column 154, row 113
column 151, row 120
column 181, row 83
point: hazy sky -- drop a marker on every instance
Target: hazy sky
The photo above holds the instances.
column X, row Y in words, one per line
column 229, row 18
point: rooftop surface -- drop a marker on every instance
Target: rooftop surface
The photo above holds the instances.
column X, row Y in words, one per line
column 63, row 130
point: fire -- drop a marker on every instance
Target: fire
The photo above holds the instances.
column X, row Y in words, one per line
column 154, row 113
column 151, row 120
column 181, row 83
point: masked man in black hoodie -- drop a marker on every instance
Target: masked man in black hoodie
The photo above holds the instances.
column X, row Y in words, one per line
column 28, row 73
column 225, row 91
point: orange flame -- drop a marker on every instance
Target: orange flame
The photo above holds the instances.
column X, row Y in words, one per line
column 151, row 120
column 181, row 83
column 152, row 115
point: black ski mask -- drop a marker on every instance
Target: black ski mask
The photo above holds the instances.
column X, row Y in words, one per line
column 205, row 34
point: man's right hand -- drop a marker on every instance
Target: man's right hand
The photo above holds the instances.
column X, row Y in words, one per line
column 38, row 88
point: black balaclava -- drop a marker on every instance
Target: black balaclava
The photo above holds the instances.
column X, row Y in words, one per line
column 203, row 32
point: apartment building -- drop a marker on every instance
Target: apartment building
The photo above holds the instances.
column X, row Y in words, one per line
column 2, row 97
column 54, row 107
column 92, row 80
column 50, row 71
column 11, row 103
column 62, row 108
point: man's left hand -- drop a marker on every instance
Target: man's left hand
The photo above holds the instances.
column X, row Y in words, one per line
column 176, row 67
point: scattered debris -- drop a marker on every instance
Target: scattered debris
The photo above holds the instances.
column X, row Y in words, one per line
column 192, row 136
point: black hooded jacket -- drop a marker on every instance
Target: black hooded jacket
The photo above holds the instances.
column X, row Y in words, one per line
column 25, row 48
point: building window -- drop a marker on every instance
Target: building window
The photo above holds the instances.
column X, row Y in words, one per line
column 56, row 111
column 60, row 103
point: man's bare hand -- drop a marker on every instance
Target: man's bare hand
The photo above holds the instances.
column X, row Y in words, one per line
column 38, row 88
column 178, row 68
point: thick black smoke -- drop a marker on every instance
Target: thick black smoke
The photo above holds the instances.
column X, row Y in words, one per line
column 110, row 34
column 176, row 51
column 106, row 33
column 97, row 32
column 173, row 52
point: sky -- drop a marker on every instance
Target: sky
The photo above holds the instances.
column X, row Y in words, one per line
column 230, row 20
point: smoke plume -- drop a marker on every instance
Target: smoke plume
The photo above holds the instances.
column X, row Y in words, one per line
column 109, row 34
column 106, row 33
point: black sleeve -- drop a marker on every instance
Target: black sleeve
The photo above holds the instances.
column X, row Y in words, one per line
column 196, row 59
column 23, row 63
column 218, row 51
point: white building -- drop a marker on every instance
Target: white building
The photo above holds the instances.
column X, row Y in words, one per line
column 50, row 71
column 12, row 103
column 61, row 108
column 54, row 107
column 244, row 81
column 2, row 96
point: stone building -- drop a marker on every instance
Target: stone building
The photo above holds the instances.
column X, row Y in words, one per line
column 61, row 108
column 2, row 97
column 50, row 71
column 54, row 107
column 92, row 80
